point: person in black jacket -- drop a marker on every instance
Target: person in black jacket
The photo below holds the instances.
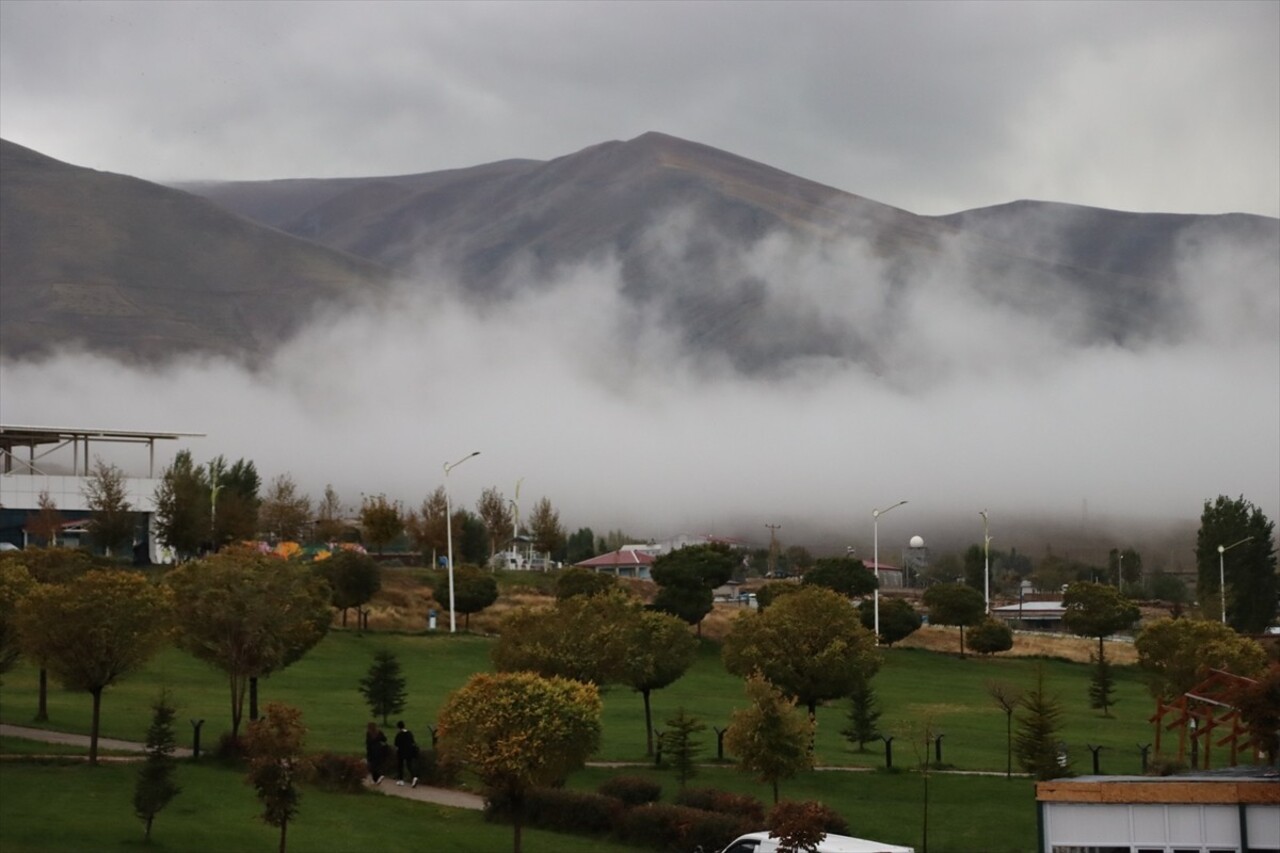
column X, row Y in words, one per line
column 406, row 752
column 375, row 751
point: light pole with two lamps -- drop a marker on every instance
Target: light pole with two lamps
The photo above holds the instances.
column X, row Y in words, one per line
column 1222, row 574
column 875, row 535
column 448, row 526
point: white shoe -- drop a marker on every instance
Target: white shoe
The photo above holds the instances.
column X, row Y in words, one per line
column 414, row 783
column 400, row 782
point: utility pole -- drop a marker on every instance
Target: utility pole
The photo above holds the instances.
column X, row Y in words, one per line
column 773, row 547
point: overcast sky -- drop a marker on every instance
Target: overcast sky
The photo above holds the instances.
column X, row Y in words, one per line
column 932, row 107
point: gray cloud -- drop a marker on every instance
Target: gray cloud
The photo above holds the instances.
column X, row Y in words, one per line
column 597, row 406
column 933, row 107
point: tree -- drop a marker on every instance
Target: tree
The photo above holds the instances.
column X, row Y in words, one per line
column 284, row 513
column 1177, row 654
column 517, row 731
column 380, row 521
column 583, row 638
column 383, row 687
column 1167, row 588
column 155, row 786
column 473, row 591
column 799, row 827
column 47, row 522
column 1036, row 742
column 545, row 528
column 577, row 580
column 249, row 615
column 809, row 644
column 660, row 651
column 48, row 565
column 112, row 523
column 1124, row 564
column 770, row 736
column 580, row 546
column 771, row 592
column 1007, row 699
column 846, row 575
column 1249, row 565
column 687, row 577
column 353, row 578
column 183, row 506
column 15, row 582
column 863, row 715
column 495, row 511
column 1098, row 610
column 93, row 631
column 431, row 531
column 954, row 604
column 329, row 522
column 679, row 744
column 898, row 619
column 274, row 746
column 990, row 636
column 1259, row 706
column 234, row 491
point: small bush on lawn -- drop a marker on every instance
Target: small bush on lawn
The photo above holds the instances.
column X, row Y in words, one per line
column 343, row 774
column 828, row 818
column 558, row 810
column 679, row 828
column 723, row 802
column 230, row 749
column 632, row 790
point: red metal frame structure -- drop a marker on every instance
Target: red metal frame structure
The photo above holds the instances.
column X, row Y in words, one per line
column 1204, row 710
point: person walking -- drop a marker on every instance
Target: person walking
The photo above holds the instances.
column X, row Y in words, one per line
column 375, row 751
column 406, row 755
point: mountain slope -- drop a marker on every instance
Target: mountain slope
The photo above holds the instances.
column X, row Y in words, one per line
column 139, row 271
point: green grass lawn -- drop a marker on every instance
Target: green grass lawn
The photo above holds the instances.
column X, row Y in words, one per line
column 914, row 687
column 82, row 808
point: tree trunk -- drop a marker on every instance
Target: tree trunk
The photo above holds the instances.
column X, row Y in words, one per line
column 648, row 722
column 93, row 729
column 775, row 792
column 284, row 829
column 42, row 707
column 237, row 705
column 961, row 641
column 146, row 834
column 253, row 697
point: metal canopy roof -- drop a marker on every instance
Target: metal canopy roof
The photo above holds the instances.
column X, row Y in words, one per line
column 31, row 437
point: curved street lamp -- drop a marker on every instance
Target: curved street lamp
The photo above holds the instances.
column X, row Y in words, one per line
column 1222, row 574
column 448, row 526
column 875, row 527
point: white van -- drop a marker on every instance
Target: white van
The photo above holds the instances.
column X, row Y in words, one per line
column 760, row 842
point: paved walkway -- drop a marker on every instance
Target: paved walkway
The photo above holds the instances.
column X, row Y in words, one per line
column 422, row 793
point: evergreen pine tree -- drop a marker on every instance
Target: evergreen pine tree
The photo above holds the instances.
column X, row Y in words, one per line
column 678, row 744
column 1036, row 741
column 155, row 786
column 384, row 687
column 863, row 715
column 1102, row 685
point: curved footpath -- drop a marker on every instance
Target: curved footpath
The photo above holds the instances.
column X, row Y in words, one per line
column 422, row 793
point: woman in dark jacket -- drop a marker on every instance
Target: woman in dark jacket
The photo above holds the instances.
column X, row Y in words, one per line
column 375, row 750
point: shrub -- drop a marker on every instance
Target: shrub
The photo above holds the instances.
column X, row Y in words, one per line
column 989, row 636
column 434, row 770
column 230, row 749
column 680, row 828
column 722, row 802
column 828, row 818
column 632, row 790
column 331, row 771
column 560, row 811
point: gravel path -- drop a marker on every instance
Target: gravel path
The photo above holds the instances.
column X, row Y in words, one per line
column 422, row 793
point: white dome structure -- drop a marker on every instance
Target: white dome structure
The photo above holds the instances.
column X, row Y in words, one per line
column 917, row 542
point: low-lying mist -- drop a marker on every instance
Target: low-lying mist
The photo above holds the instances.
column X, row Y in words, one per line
column 967, row 400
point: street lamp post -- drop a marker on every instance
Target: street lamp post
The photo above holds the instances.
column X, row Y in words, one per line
column 986, row 562
column 875, row 536
column 1222, row 574
column 448, row 526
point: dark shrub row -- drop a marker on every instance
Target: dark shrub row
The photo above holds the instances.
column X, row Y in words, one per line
column 723, row 802
column 629, row 814
column 331, row 771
